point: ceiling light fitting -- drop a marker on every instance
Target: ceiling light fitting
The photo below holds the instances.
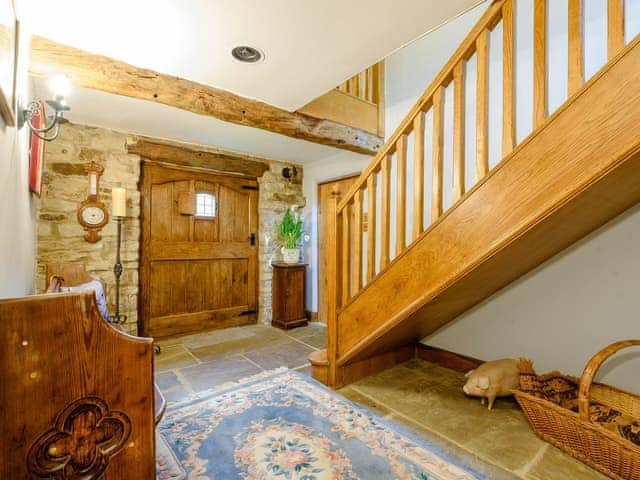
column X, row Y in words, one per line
column 247, row 54
column 60, row 86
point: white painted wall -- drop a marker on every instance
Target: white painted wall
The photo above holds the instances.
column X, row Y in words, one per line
column 17, row 205
column 409, row 70
column 563, row 312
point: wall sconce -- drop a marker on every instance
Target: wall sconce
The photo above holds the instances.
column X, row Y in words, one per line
column 290, row 173
column 61, row 87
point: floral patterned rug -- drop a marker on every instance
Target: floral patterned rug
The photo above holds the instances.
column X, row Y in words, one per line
column 282, row 425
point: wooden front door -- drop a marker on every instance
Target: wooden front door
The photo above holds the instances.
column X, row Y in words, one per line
column 199, row 250
column 325, row 192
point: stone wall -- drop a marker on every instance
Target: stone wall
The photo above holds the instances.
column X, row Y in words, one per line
column 60, row 236
column 276, row 196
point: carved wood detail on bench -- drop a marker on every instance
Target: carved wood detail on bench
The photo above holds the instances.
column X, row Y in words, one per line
column 85, row 437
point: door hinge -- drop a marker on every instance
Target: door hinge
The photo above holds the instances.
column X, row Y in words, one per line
column 247, row 312
column 249, row 187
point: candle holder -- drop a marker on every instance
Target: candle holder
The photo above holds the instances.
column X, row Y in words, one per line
column 118, row 318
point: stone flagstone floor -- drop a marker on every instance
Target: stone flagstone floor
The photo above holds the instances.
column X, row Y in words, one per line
column 193, row 363
column 424, row 398
column 429, row 399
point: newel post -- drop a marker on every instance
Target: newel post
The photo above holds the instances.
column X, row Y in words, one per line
column 334, row 284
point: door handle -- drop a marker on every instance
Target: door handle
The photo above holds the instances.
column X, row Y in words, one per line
column 252, row 239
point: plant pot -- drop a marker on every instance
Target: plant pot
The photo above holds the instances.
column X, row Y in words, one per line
column 290, row 255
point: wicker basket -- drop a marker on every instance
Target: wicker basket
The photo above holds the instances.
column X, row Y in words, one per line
column 577, row 435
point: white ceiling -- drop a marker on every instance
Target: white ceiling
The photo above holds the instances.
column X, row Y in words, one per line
column 310, row 45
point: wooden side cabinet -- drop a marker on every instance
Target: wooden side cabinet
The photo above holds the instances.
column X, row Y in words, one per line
column 288, row 295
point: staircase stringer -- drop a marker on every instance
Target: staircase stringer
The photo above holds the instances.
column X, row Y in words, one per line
column 412, row 308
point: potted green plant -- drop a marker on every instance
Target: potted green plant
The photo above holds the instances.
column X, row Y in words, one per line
column 290, row 231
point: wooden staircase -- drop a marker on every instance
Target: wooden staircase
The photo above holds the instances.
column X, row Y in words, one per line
column 577, row 169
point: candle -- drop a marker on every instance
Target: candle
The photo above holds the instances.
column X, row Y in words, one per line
column 118, row 202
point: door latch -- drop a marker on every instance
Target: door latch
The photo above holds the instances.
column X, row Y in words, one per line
column 252, row 239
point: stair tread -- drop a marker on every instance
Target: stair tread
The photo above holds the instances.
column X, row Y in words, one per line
column 319, row 358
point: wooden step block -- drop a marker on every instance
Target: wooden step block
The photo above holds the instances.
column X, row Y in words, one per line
column 320, row 366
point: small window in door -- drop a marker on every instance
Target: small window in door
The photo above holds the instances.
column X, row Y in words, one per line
column 205, row 205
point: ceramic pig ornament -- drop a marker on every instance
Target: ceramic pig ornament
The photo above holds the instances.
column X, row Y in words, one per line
column 493, row 379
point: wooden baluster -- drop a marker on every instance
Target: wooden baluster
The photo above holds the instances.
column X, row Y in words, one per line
column 482, row 111
column 385, row 212
column 362, row 85
column 576, row 46
column 357, row 247
column 369, row 84
column 418, row 175
column 458, row 129
column 539, row 62
column 346, row 256
column 508, row 77
column 354, row 85
column 401, row 193
column 333, row 288
column 615, row 27
column 371, row 227
column 438, row 153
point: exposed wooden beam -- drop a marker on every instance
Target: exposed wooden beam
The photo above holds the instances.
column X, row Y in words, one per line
column 192, row 156
column 105, row 74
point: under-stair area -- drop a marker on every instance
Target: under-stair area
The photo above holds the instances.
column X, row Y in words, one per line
column 427, row 399
column 418, row 242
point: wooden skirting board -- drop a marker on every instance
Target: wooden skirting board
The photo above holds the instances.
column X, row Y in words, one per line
column 447, row 359
column 353, row 372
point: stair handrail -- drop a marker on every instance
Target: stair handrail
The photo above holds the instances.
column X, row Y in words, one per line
column 350, row 210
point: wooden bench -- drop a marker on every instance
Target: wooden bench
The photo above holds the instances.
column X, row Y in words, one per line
column 74, row 273
column 76, row 395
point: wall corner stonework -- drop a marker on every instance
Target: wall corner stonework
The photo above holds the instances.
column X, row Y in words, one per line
column 276, row 195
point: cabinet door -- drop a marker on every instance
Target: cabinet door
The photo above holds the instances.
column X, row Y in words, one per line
column 295, row 300
column 279, row 300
